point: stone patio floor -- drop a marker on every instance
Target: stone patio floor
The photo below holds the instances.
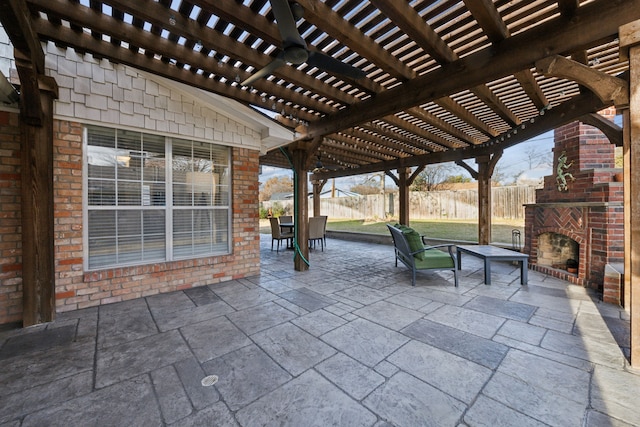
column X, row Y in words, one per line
column 348, row 343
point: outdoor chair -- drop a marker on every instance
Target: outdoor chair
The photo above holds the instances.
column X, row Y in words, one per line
column 287, row 219
column 410, row 249
column 277, row 234
column 317, row 226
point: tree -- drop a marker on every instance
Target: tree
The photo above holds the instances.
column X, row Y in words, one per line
column 432, row 178
column 537, row 157
column 276, row 184
column 370, row 185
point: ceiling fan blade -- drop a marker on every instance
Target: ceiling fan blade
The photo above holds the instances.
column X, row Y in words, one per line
column 328, row 63
column 286, row 24
column 265, row 71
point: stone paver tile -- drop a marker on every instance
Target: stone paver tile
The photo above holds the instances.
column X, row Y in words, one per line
column 129, row 307
column 407, row 401
column 213, row 338
column 310, row 401
column 174, row 403
column 21, row 373
column 431, row 307
column 192, row 315
column 216, row 415
column 389, row 315
column 472, row 347
column 245, row 375
column 275, row 286
column 454, row 375
column 319, row 322
column 330, row 286
column 363, row 294
column 524, row 332
column 474, row 322
column 386, row 369
column 538, row 403
column 168, row 303
column 231, row 287
column 570, row 383
column 598, row 419
column 554, row 324
column 113, row 330
column 130, row 359
column 614, row 331
column 132, row 401
column 350, row 375
column 365, row 341
column 547, row 354
column 43, row 340
column 339, row 309
column 496, row 290
column 191, row 374
column 584, row 348
column 292, row 348
column 256, row 319
column 201, row 295
column 524, row 296
column 615, row 392
column 307, row 299
column 23, row 402
column 248, row 298
column 487, row 412
column 445, row 297
column 295, row 309
column 410, row 301
column 497, row 307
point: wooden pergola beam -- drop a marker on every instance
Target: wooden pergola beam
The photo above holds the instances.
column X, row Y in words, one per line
column 323, row 16
column 595, row 21
column 565, row 113
column 606, row 87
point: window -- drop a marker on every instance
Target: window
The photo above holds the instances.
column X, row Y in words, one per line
column 151, row 198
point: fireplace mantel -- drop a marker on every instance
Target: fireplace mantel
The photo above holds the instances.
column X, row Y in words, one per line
column 574, row 205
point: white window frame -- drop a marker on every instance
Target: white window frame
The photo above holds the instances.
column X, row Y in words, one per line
column 168, row 208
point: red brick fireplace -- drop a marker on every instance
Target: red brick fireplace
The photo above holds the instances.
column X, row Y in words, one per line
column 580, row 223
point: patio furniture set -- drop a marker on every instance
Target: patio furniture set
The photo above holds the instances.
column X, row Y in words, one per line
column 411, row 249
column 282, row 228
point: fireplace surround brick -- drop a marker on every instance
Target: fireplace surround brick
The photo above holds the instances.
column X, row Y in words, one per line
column 590, row 211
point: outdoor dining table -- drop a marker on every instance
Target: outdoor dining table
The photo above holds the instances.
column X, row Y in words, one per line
column 287, row 226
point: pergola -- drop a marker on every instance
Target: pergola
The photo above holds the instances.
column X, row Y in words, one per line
column 438, row 81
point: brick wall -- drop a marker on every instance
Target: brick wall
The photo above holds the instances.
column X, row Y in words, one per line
column 76, row 289
column 590, row 212
column 10, row 214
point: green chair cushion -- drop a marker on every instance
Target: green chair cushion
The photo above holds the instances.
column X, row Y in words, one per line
column 434, row 258
column 414, row 240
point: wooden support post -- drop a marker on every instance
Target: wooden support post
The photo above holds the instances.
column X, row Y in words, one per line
column 630, row 47
column 486, row 165
column 38, row 261
column 403, row 185
column 484, row 201
column 299, row 159
column 317, row 189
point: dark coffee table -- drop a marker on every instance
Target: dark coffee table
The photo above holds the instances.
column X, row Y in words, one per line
column 492, row 253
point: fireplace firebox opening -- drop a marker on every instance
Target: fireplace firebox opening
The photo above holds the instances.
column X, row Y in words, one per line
column 558, row 251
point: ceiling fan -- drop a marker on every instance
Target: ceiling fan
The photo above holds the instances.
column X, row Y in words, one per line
column 294, row 48
column 322, row 168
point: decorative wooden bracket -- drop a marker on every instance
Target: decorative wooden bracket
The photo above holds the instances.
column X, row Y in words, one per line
column 606, row 87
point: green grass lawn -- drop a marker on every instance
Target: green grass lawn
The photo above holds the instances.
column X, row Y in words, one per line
column 437, row 229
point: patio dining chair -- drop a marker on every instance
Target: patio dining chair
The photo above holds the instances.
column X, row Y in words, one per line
column 286, row 219
column 277, row 234
column 317, row 225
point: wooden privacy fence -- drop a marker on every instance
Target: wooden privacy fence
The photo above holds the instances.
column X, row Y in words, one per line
column 507, row 202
